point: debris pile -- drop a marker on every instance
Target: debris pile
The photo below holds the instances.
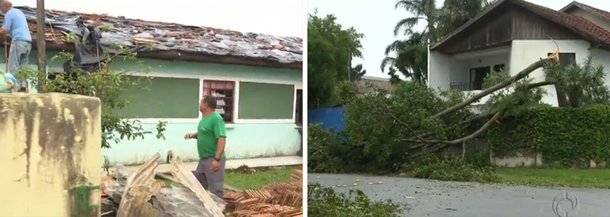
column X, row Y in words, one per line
column 278, row 199
column 144, row 195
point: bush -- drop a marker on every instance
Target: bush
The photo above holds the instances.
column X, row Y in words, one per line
column 567, row 136
column 433, row 167
column 325, row 151
column 322, row 202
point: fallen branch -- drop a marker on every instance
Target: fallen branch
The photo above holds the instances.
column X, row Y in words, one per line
column 522, row 74
column 481, row 130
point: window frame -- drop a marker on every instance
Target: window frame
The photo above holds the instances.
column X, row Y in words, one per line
column 236, row 119
column 234, row 89
column 562, row 65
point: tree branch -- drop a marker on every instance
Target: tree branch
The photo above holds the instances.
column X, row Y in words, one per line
column 522, row 74
column 481, row 130
column 386, row 110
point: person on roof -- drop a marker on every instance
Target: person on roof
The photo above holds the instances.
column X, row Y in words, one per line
column 16, row 26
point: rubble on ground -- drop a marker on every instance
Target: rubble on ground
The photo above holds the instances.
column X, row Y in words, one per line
column 178, row 194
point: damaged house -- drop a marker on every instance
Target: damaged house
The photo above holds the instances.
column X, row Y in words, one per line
column 256, row 78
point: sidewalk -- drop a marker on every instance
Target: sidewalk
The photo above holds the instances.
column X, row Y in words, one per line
column 233, row 164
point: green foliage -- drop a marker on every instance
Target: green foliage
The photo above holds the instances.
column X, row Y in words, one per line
column 107, row 85
column 376, row 124
column 410, row 59
column 583, row 84
column 323, row 147
column 513, row 98
column 409, row 56
column 330, row 50
column 451, row 169
column 563, row 135
column 322, row 202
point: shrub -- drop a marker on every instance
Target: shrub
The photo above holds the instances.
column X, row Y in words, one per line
column 325, row 151
column 322, row 202
column 563, row 135
column 433, row 167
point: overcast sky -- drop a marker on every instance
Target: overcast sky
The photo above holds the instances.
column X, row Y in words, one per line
column 376, row 20
column 276, row 17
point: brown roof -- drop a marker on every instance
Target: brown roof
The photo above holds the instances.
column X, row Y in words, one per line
column 602, row 13
column 174, row 41
column 579, row 25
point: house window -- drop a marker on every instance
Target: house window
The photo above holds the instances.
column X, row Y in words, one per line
column 223, row 91
column 477, row 75
column 499, row 67
column 566, row 59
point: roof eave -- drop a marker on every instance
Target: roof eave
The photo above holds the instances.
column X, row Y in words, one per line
column 190, row 57
column 571, row 5
column 468, row 24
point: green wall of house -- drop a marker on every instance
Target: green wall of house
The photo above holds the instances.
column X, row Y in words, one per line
column 257, row 134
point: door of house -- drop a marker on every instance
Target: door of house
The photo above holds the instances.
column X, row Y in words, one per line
column 477, row 75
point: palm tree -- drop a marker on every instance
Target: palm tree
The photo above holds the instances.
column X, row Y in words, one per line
column 455, row 13
column 411, row 58
column 422, row 10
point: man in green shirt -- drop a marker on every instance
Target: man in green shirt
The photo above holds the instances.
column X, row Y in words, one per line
column 211, row 136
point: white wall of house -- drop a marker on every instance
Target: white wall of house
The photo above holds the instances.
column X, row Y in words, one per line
column 439, row 67
column 445, row 69
column 448, row 69
column 526, row 52
column 602, row 57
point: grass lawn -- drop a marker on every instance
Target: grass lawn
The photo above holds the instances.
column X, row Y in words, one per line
column 578, row 178
column 259, row 178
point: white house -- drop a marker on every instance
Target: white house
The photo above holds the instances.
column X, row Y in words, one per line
column 512, row 34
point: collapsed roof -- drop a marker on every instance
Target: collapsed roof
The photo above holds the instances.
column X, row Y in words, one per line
column 174, row 41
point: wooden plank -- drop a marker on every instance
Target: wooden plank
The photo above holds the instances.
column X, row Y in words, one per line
column 187, row 179
column 141, row 186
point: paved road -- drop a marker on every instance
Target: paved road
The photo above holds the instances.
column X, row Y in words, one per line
column 419, row 197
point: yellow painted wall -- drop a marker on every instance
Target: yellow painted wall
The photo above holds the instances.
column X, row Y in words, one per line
column 49, row 143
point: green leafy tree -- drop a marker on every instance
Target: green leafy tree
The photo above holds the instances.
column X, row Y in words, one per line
column 409, row 57
column 106, row 84
column 330, row 51
column 455, row 13
column 581, row 85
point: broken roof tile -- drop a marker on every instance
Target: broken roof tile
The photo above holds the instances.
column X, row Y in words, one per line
column 172, row 37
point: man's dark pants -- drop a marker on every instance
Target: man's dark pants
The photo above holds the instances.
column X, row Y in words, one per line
column 210, row 180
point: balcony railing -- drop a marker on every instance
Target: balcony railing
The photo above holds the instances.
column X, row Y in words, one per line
column 459, row 85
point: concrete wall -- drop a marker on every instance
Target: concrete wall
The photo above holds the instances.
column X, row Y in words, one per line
column 50, row 144
column 602, row 58
column 245, row 138
column 439, row 67
column 243, row 141
column 526, row 52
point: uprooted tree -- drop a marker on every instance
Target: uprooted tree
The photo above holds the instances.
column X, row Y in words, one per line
column 423, row 121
